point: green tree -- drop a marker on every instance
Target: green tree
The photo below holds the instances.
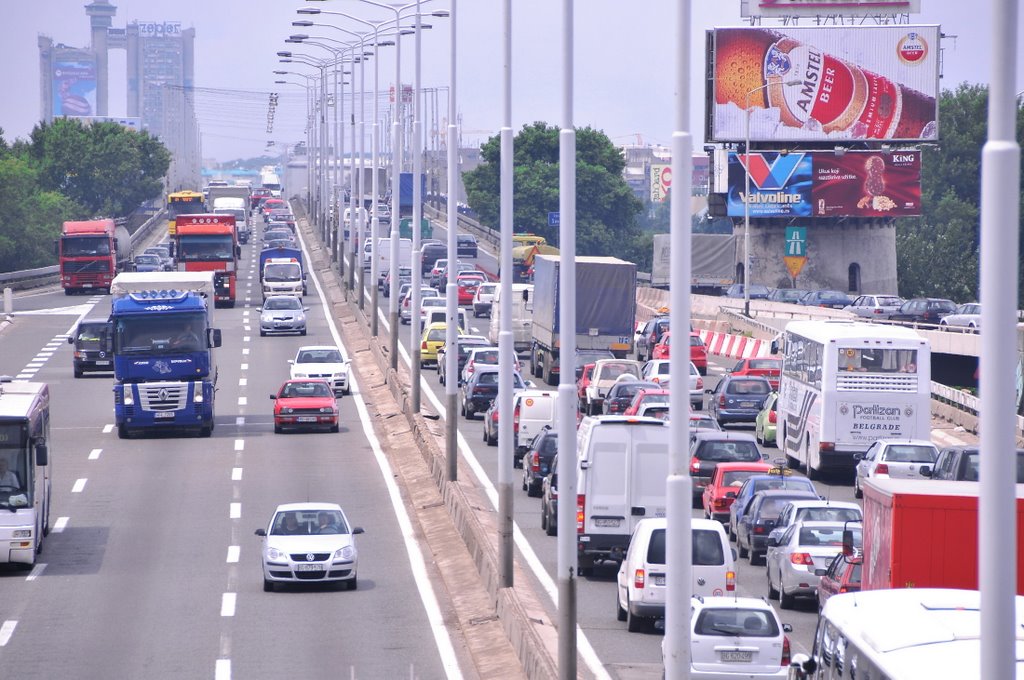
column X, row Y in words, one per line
column 31, row 218
column 606, row 210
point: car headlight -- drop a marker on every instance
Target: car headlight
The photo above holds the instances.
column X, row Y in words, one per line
column 346, row 553
column 197, row 392
column 275, row 555
column 326, row 409
column 266, row 317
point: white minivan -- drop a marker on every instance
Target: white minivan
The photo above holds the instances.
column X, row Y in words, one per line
column 532, row 411
column 622, row 463
column 522, row 316
column 641, row 579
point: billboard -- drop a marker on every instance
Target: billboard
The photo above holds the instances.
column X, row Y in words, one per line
column 661, row 182
column 74, row 86
column 836, row 84
column 825, row 184
column 816, row 8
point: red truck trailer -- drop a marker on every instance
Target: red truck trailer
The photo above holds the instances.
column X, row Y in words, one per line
column 91, row 253
column 924, row 534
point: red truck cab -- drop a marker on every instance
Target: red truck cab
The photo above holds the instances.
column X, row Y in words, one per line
column 88, row 255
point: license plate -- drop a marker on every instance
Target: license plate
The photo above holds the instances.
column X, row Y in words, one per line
column 746, row 404
column 316, row 567
column 163, row 415
column 659, row 580
column 86, row 285
column 306, row 419
column 102, row 363
column 737, row 657
column 606, row 522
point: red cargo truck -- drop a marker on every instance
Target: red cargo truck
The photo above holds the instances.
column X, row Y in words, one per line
column 924, row 534
column 90, row 254
column 209, row 242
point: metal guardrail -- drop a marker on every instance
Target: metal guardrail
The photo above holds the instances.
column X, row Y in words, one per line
column 41, row 276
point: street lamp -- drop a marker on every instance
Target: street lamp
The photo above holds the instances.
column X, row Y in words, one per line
column 746, row 195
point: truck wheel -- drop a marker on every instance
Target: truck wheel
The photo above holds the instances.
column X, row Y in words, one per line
column 68, row 291
column 122, row 432
column 549, row 376
column 206, row 431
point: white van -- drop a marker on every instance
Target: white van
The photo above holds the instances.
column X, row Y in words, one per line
column 522, row 316
column 440, row 315
column 622, row 463
column 532, row 411
column 384, row 256
column 641, row 579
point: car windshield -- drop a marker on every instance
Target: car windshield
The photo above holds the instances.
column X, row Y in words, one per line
column 308, row 522
column 771, row 508
column 487, row 356
column 909, row 453
column 707, row 548
column 276, row 303
column 782, row 483
column 319, row 356
column 736, row 622
column 826, row 514
column 830, row 536
column 147, row 259
column 765, row 364
column 313, row 388
column 720, row 452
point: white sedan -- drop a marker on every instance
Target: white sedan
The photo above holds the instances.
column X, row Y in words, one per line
column 967, row 317
column 325, row 362
column 309, row 543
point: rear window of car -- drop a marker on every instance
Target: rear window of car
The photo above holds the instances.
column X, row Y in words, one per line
column 829, row 515
column 748, row 387
column 908, row 453
column 736, row 477
column 783, row 483
column 724, row 452
column 766, row 364
column 889, row 301
column 855, row 572
column 707, row 548
column 466, row 238
column 695, row 341
column 822, row 536
column 733, row 622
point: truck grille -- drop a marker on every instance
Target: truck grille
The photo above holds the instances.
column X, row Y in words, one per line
column 87, row 266
column 169, row 396
column 867, row 382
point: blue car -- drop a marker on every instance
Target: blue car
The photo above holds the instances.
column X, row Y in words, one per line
column 738, row 398
column 777, row 478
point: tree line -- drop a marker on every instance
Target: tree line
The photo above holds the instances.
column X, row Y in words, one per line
column 64, row 171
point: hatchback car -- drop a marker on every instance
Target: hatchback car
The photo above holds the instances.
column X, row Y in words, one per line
column 788, row 295
column 737, row 637
column 549, row 500
column 698, row 353
column 720, row 491
column 482, row 356
column 282, row 314
column 325, row 362
column 924, row 310
column 658, row 371
column 796, row 553
column 842, row 575
column 830, row 299
column 309, row 543
column 761, row 517
column 404, row 276
column 776, row 478
column 538, row 459
column 468, row 283
column 483, row 299
column 430, row 255
column 482, row 388
column 757, row 291
column 620, row 395
column 875, row 307
column 433, row 338
column 895, row 458
column 650, row 335
column 148, row 263
column 738, row 399
column 649, row 396
column 966, row 317
column 405, row 302
column 466, row 244
column 305, row 405
column 766, row 367
column 466, row 344
column 818, row 510
column 709, row 448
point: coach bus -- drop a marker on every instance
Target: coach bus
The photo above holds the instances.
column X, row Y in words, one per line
column 846, row 384
column 901, row 634
column 183, row 203
column 24, row 470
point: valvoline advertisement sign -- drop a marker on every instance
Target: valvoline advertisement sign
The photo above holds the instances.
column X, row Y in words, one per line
column 780, row 184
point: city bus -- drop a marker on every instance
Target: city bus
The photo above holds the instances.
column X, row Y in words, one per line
column 846, row 384
column 183, row 203
column 24, row 470
column 901, row 634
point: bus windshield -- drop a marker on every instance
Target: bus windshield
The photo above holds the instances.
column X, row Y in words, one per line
column 15, row 490
column 185, row 206
column 206, row 248
column 160, row 335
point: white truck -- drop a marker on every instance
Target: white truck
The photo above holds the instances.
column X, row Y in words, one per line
column 384, row 256
column 522, row 316
column 239, row 207
column 282, row 276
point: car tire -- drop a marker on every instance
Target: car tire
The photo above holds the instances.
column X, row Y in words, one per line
column 470, row 413
column 544, row 518
column 552, row 528
column 335, row 428
column 263, row 334
column 732, row 534
column 620, row 613
column 277, row 429
column 353, row 583
column 268, row 586
column 773, row 594
column 757, row 558
column 302, row 332
column 526, row 487
column 78, row 373
column 857, row 493
column 785, row 601
column 634, row 624
column 742, row 551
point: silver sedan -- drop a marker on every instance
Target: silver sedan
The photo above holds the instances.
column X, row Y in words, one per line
column 798, row 552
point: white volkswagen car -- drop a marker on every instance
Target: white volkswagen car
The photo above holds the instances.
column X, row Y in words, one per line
column 325, row 362
column 309, row 543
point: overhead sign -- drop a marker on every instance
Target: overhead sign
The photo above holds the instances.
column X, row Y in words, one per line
column 553, row 219
column 799, row 83
column 824, row 184
column 661, row 182
column 814, row 8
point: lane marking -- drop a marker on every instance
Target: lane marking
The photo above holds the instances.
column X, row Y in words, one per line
column 6, row 631
column 247, row 328
column 233, row 552
column 242, row 401
column 36, row 571
column 59, row 525
column 95, row 453
column 79, row 485
column 222, row 670
column 227, row 604
column 246, row 338
column 107, row 429
column 242, row 382
column 239, row 444
column 236, row 474
column 24, row 376
column 245, row 350
column 236, row 511
column 245, row 367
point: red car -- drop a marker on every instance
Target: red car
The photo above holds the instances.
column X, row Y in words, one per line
column 842, row 576
column 584, row 382
column 646, row 396
column 767, row 367
column 698, row 351
column 305, row 405
column 726, row 481
column 468, row 283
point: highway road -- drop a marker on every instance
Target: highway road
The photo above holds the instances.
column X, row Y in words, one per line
column 152, row 569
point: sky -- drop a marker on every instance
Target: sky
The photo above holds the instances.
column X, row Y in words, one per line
column 624, row 52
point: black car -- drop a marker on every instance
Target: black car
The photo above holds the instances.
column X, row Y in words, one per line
column 832, row 299
column 708, row 448
column 620, row 395
column 757, row 291
column 960, row 463
column 465, row 343
column 924, row 310
column 431, row 253
column 763, row 513
column 482, row 389
column 549, row 500
column 537, row 460
column 465, row 244
column 90, row 339
column 791, row 295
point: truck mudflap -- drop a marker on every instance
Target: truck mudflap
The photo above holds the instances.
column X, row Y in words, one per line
column 600, row 547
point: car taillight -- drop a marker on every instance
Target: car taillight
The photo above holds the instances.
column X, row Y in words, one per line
column 801, row 558
column 785, row 650
column 827, row 446
column 406, row 303
column 494, row 416
column 700, row 383
column 694, row 466
column 720, row 503
column 730, row 581
column 423, row 345
column 656, row 380
column 772, row 417
column 580, row 516
column 515, row 420
column 554, row 493
column 535, row 462
column 721, row 401
column 842, row 589
column 882, row 469
column 760, row 529
column 639, row 578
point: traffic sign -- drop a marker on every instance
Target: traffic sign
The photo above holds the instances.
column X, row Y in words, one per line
column 794, row 264
column 796, row 242
column 553, row 220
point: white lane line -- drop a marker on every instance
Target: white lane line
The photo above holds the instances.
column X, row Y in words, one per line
column 245, row 313
column 233, row 552
column 239, row 444
column 246, row 338
column 236, row 474
column 247, row 328
column 236, row 511
column 35, row 364
column 227, row 604
column 6, row 631
column 449, row 660
column 245, row 367
column 24, row 376
column 36, row 571
column 59, row 525
column 222, row 669
column 240, row 420
column 245, row 351
column 242, row 382
column 95, row 453
column 107, row 429
column 242, row 401
column 79, row 485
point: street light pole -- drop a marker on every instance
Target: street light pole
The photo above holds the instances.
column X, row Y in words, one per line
column 451, row 292
column 417, row 217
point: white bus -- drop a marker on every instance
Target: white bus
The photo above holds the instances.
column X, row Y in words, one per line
column 24, row 470
column 901, row 634
column 846, row 384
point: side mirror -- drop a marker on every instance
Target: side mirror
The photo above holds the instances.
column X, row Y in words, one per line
column 215, row 337
column 291, row 361
column 261, row 532
column 274, row 397
column 820, row 572
column 858, row 456
column 709, row 391
column 926, row 471
column 774, row 347
column 730, row 494
column 787, row 628
column 42, row 455
column 848, row 542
